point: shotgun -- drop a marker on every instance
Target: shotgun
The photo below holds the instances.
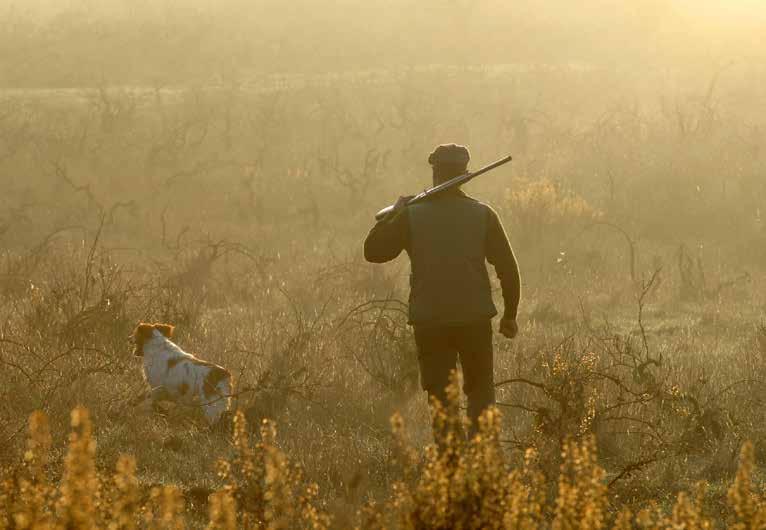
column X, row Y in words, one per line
column 451, row 183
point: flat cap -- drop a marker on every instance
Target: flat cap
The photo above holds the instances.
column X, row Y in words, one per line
column 449, row 154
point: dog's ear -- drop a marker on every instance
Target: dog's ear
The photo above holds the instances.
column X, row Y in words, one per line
column 142, row 333
column 165, row 329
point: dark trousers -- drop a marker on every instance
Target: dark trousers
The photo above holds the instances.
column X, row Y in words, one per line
column 440, row 347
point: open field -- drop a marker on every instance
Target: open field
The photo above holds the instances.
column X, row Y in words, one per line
column 237, row 211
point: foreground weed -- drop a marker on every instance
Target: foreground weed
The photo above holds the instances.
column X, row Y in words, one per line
column 80, row 489
column 463, row 484
column 457, row 484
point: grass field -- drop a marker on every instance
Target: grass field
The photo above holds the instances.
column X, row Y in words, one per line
column 236, row 211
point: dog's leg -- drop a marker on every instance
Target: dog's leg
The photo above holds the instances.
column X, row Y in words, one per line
column 139, row 399
column 214, row 410
column 155, row 395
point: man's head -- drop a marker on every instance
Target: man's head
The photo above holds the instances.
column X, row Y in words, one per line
column 448, row 161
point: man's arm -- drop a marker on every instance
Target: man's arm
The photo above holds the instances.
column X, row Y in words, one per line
column 501, row 256
column 388, row 237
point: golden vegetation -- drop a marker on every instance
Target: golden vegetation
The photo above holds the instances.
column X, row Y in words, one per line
column 214, row 211
column 215, row 165
column 261, row 489
column 460, row 484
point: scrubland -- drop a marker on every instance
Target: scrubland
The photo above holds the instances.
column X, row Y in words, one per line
column 235, row 209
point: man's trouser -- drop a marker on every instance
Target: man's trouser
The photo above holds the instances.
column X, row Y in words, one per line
column 440, row 347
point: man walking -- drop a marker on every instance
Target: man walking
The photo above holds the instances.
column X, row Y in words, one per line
column 448, row 239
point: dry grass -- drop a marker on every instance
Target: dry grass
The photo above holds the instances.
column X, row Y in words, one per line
column 237, row 214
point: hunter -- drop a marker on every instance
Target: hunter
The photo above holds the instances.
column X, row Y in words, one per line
column 448, row 238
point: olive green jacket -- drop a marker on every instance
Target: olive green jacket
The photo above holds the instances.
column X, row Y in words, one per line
column 449, row 238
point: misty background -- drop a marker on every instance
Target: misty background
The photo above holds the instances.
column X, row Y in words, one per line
column 85, row 43
column 217, row 165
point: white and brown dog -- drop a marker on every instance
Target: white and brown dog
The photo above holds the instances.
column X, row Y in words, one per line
column 175, row 375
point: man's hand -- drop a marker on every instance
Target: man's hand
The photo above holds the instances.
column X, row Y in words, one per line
column 509, row 328
column 400, row 204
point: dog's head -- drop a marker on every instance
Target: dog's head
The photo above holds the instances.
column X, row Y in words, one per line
column 145, row 332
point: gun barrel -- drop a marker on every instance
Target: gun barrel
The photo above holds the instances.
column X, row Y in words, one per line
column 457, row 181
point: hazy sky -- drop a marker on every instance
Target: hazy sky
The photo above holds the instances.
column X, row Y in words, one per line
column 727, row 8
column 150, row 38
